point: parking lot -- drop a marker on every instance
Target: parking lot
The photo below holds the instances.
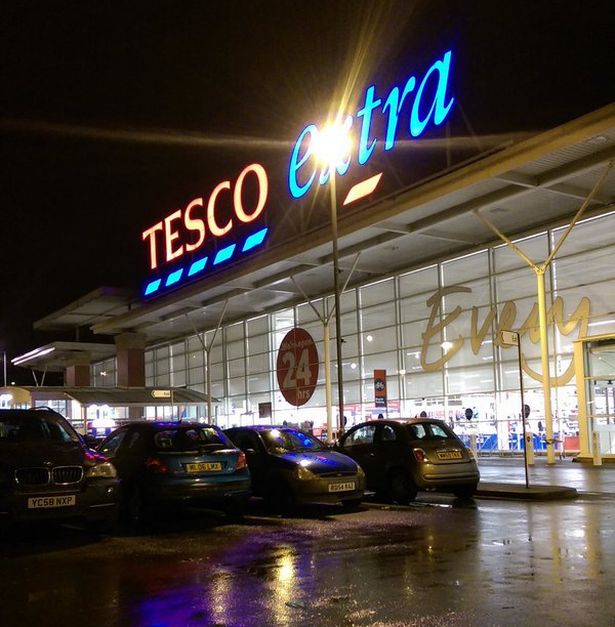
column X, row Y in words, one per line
column 438, row 561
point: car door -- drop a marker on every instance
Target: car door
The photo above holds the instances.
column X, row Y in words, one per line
column 250, row 444
column 387, row 452
column 358, row 444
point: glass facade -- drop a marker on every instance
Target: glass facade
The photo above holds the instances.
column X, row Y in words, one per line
column 435, row 331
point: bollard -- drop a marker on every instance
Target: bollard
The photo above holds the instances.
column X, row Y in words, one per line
column 529, row 448
column 596, row 452
column 473, row 446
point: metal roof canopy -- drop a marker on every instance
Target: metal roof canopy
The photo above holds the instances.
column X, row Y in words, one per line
column 95, row 307
column 56, row 356
column 114, row 397
column 523, row 188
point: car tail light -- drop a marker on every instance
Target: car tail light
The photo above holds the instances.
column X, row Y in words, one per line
column 420, row 455
column 153, row 464
column 241, row 461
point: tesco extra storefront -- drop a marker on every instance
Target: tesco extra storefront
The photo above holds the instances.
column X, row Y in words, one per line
column 425, row 287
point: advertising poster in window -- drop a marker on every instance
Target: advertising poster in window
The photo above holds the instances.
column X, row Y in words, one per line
column 380, row 388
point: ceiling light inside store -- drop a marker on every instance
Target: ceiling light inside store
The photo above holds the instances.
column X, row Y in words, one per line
column 446, row 346
column 369, row 338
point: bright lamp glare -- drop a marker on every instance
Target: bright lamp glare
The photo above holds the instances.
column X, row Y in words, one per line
column 332, row 145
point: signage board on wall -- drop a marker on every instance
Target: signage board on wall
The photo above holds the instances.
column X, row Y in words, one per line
column 220, row 227
column 297, row 366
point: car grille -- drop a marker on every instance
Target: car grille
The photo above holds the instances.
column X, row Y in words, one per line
column 32, row 476
column 67, row 474
column 60, row 475
column 339, row 473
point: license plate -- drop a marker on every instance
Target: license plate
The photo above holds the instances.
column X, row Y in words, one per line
column 341, row 487
column 450, row 455
column 42, row 502
column 204, row 467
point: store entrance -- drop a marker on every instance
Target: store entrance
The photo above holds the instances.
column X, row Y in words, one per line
column 597, row 398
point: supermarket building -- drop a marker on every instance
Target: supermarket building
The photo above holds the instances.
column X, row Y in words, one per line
column 428, row 286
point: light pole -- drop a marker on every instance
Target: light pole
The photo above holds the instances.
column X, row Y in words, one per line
column 331, row 147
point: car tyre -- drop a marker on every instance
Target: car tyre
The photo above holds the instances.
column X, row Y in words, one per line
column 401, row 488
column 136, row 511
column 465, row 491
column 352, row 504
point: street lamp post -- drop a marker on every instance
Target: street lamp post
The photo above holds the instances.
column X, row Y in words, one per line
column 336, row 296
column 332, row 144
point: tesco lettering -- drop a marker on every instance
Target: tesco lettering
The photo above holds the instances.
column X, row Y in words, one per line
column 200, row 220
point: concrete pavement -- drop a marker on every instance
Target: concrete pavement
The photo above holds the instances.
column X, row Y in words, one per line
column 505, row 478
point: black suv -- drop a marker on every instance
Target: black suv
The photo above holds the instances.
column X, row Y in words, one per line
column 48, row 472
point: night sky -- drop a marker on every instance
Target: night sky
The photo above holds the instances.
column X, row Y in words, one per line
column 82, row 81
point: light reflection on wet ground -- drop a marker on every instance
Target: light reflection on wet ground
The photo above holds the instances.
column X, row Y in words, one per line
column 439, row 562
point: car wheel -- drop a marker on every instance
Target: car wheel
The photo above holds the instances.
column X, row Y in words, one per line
column 281, row 499
column 234, row 510
column 136, row 512
column 401, row 488
column 465, row 491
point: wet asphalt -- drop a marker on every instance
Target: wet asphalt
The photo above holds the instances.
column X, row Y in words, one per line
column 440, row 561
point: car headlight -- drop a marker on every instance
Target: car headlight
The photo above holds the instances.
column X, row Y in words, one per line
column 106, row 470
column 304, row 474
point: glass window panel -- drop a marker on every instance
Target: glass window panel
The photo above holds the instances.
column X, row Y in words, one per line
column 415, row 307
column 516, row 284
column 257, row 344
column 234, row 350
column 588, row 235
column 477, row 295
column 236, row 368
column 535, row 247
column 377, row 293
column 379, row 340
column 196, row 376
column 419, row 282
column 195, row 358
column 258, row 326
column 593, row 267
column 378, row 316
column 178, row 379
column 258, row 363
column 236, row 386
column 477, row 379
column 381, row 361
column 422, row 384
column 466, row 268
column 234, row 332
column 259, row 382
column 306, row 314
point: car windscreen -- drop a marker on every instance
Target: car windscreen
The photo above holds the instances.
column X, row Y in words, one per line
column 35, row 427
column 284, row 440
column 179, row 439
column 429, row 431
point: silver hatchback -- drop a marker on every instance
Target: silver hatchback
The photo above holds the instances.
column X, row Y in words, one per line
column 401, row 457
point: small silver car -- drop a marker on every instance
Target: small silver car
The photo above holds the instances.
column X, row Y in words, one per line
column 401, row 457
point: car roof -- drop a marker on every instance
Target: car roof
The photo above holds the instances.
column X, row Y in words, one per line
column 166, row 424
column 263, row 428
column 400, row 421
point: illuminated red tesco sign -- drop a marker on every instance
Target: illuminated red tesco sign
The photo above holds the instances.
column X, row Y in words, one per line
column 186, row 230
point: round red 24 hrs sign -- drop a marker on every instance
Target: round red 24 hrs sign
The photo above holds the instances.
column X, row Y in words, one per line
column 297, row 366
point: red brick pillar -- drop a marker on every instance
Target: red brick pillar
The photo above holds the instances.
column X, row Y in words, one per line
column 77, row 374
column 130, row 359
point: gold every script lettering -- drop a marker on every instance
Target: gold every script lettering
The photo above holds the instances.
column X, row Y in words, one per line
column 555, row 315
